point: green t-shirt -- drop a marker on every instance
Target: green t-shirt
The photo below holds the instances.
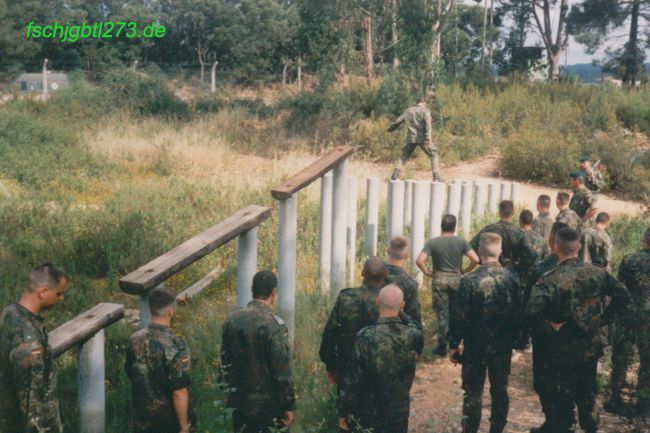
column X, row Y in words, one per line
column 447, row 252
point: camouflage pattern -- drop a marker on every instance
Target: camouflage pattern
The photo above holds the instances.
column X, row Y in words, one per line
column 518, row 254
column 486, row 316
column 574, row 293
column 418, row 123
column 597, row 247
column 28, row 400
column 582, row 201
column 256, row 362
column 543, row 224
column 409, row 287
column 444, row 286
column 538, row 242
column 570, row 218
column 634, row 272
column 594, row 180
column 158, row 363
column 375, row 387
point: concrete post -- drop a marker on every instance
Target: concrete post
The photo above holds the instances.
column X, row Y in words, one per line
column 417, row 226
column 145, row 313
column 481, row 199
column 92, row 397
column 288, row 222
column 395, row 212
column 351, row 232
column 372, row 217
column 494, row 197
column 516, row 193
column 506, row 191
column 453, row 199
column 408, row 203
column 325, row 242
column 246, row 266
column 339, row 227
column 436, row 208
column 466, row 214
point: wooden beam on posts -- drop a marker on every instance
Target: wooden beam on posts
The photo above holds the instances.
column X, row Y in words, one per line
column 311, row 173
column 158, row 270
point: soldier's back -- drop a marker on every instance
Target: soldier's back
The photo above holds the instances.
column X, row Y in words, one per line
column 538, row 242
column 581, row 201
column 570, row 218
column 409, row 288
column 517, row 253
column 543, row 225
column 635, row 274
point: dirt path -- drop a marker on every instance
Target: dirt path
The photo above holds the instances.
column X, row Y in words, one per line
column 436, row 401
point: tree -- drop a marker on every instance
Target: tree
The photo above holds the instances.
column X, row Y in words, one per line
column 516, row 57
column 554, row 35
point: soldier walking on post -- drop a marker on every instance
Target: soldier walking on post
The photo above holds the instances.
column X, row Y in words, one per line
column 28, row 394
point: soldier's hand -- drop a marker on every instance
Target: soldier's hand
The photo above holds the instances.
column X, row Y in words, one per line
column 557, row 326
column 331, row 379
column 452, row 355
column 343, row 424
column 289, row 418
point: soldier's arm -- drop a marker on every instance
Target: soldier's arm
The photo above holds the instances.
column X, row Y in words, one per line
column 620, row 299
column 459, row 312
column 180, row 380
column 412, row 305
column 351, row 386
column 475, row 241
column 393, row 126
column 328, row 346
column 416, row 337
column 225, row 353
column 280, row 368
column 427, row 126
column 421, row 262
column 591, row 199
column 536, row 309
column 527, row 253
column 517, row 303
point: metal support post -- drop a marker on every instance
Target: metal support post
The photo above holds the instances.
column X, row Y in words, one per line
column 395, row 213
column 372, row 217
column 246, row 266
column 467, row 196
column 325, row 241
column 339, row 227
column 288, row 222
column 92, row 395
column 417, row 226
column 351, row 232
column 436, row 208
column 454, row 196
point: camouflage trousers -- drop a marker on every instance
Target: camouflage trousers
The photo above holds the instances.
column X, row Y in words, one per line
column 401, row 426
column 475, row 368
column 541, row 375
column 623, row 345
column 244, row 424
column 444, row 285
column 428, row 148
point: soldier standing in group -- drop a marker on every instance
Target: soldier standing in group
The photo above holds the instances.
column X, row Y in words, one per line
column 486, row 316
column 397, row 252
column 593, row 177
column 28, row 400
column 582, row 201
column 543, row 223
column 418, row 121
column 353, row 310
column 537, row 241
column 158, row 364
column 256, row 363
column 376, row 384
column 568, row 307
column 598, row 246
column 634, row 272
column 446, row 252
column 566, row 215
column 518, row 255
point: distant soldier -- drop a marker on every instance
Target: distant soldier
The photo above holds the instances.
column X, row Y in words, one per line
column 566, row 216
column 376, row 384
column 256, row 361
column 418, row 121
column 486, row 316
column 634, row 272
column 598, row 246
column 543, row 223
column 518, row 254
column 397, row 253
column 353, row 310
column 28, row 395
column 446, row 252
column 593, row 177
column 583, row 201
column 568, row 307
column 537, row 241
column 158, row 364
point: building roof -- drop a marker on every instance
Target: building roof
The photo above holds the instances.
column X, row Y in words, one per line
column 52, row 77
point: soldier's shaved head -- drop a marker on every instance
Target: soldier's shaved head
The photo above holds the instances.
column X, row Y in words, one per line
column 398, row 248
column 567, row 242
column 45, row 275
column 489, row 246
column 374, row 270
column 390, row 299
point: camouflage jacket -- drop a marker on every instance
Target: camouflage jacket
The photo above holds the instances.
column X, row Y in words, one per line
column 581, row 201
column 538, row 242
column 418, row 122
column 536, row 272
column 574, row 293
column 409, row 286
column 518, row 254
column 353, row 310
column 256, row 362
column 634, row 272
column 486, row 313
column 375, row 386
column 597, row 247
column 28, row 400
column 594, row 180
column 158, row 363
column 543, row 225
column 570, row 218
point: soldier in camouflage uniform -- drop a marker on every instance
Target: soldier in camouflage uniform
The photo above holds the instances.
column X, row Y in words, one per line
column 598, row 246
column 446, row 252
column 418, row 121
column 537, row 241
column 376, row 384
column 158, row 364
column 566, row 215
column 593, row 177
column 397, row 253
column 28, row 395
column 634, row 272
column 353, row 310
column 543, row 223
column 568, row 307
column 518, row 254
column 583, row 201
column 256, row 363
column 486, row 316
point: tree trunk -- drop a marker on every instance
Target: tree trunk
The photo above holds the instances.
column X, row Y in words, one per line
column 491, row 41
column 394, row 34
column 553, row 45
column 44, row 79
column 554, row 66
column 367, row 28
column 299, row 73
column 284, row 75
column 437, row 26
column 213, row 77
column 199, row 50
column 484, row 38
column 632, row 48
column 437, row 53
